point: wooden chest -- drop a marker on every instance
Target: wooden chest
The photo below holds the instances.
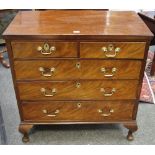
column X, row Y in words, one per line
column 77, row 67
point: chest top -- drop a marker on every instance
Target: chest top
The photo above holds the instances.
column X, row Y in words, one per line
column 77, row 24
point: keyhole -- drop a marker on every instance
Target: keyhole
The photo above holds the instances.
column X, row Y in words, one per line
column 78, row 85
column 78, row 65
column 111, row 47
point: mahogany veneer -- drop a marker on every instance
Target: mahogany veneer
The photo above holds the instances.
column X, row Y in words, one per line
column 28, row 49
column 68, row 69
column 77, row 67
column 87, row 90
column 74, row 111
column 128, row 50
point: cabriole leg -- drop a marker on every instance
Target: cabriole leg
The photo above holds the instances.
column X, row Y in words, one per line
column 132, row 128
column 25, row 129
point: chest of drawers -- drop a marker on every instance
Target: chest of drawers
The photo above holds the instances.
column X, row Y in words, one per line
column 77, row 67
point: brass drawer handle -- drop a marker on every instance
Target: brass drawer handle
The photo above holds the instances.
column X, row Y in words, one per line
column 108, row 94
column 46, row 49
column 111, row 48
column 101, row 111
column 51, row 114
column 48, row 93
column 46, row 72
column 113, row 71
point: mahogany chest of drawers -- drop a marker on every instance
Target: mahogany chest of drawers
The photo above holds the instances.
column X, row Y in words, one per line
column 77, row 67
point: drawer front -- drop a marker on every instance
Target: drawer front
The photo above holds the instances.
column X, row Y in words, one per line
column 42, row 49
column 112, row 50
column 73, row 69
column 78, row 111
column 80, row 90
column 110, row 69
column 47, row 70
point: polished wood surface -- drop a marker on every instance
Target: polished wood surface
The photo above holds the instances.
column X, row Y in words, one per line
column 127, row 49
column 25, row 129
column 132, row 126
column 88, row 90
column 77, row 69
column 64, row 23
column 80, row 71
column 29, row 49
column 78, row 111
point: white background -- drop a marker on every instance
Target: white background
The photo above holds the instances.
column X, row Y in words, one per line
column 78, row 4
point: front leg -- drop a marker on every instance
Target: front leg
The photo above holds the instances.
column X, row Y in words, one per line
column 132, row 126
column 24, row 129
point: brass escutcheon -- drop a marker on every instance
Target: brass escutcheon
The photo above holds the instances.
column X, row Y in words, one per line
column 46, row 49
column 110, row 49
column 78, row 65
column 101, row 111
column 78, row 85
column 113, row 90
column 51, row 114
column 49, row 92
column 104, row 70
column 79, row 105
column 46, row 72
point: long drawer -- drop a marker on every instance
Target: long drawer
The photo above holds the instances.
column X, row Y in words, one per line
column 74, row 69
column 112, row 50
column 78, row 111
column 43, row 49
column 78, row 90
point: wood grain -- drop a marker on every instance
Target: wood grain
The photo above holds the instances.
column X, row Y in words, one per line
column 67, row 69
column 28, row 49
column 58, row 24
column 128, row 49
column 69, row 111
column 89, row 90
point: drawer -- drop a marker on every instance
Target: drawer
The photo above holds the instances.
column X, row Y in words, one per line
column 44, row 49
column 112, row 50
column 74, row 69
column 78, row 111
column 78, row 90
column 47, row 69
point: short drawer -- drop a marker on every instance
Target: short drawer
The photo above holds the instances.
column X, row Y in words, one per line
column 77, row 69
column 78, row 111
column 44, row 49
column 112, row 50
column 78, row 90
